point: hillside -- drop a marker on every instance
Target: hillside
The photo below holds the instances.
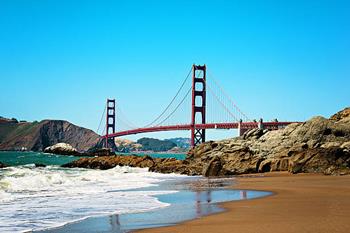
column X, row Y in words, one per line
column 152, row 144
column 126, row 146
column 183, row 143
column 36, row 136
column 172, row 145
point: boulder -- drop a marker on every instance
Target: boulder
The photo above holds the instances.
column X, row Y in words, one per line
column 213, row 168
column 2, row 165
column 330, row 161
column 99, row 152
column 107, row 162
column 62, row 149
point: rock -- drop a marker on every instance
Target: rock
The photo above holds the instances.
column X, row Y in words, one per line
column 331, row 144
column 99, row 152
column 169, row 165
column 62, row 149
column 213, row 168
column 265, row 166
column 330, row 161
column 2, row 165
column 254, row 133
column 107, row 162
column 39, row 165
column 345, row 113
column 317, row 145
column 346, row 146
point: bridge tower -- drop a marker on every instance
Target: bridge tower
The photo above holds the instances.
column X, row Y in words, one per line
column 198, row 103
column 110, row 118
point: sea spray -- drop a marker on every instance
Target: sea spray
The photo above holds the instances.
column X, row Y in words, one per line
column 34, row 198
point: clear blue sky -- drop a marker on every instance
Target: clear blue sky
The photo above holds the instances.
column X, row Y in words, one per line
column 62, row 59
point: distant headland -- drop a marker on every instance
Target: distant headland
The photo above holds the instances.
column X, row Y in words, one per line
column 36, row 136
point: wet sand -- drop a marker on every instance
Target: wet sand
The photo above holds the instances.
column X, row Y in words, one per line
column 301, row 203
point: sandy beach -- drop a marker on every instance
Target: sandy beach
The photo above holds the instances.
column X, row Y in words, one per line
column 301, row 203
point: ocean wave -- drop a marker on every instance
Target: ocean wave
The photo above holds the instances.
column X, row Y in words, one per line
column 36, row 198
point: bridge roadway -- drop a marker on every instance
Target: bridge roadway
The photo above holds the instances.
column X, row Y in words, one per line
column 234, row 125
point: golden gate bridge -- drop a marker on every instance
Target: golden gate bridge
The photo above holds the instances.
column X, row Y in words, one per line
column 198, row 104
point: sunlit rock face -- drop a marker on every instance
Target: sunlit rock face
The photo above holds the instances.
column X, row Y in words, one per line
column 317, row 145
column 61, row 148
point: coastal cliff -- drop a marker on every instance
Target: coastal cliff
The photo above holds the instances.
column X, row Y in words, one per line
column 318, row 145
column 36, row 136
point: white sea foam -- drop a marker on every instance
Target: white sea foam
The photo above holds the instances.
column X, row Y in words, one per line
column 37, row 198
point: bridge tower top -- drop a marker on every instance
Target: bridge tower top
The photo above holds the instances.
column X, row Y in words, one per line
column 110, row 119
column 198, row 103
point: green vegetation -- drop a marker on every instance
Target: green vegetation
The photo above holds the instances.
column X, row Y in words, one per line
column 24, row 128
column 6, row 129
column 156, row 144
column 180, row 142
column 11, row 128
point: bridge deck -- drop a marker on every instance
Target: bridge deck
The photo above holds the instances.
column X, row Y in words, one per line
column 233, row 125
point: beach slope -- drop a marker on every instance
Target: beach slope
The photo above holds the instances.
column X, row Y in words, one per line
column 301, row 203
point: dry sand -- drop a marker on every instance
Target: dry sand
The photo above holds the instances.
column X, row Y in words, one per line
column 301, row 203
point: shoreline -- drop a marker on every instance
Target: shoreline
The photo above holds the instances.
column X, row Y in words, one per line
column 188, row 201
column 299, row 203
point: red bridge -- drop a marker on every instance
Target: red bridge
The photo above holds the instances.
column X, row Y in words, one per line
column 230, row 116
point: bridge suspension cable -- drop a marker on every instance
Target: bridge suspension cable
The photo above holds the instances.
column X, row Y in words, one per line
column 227, row 119
column 171, row 102
column 183, row 99
column 246, row 118
column 221, row 103
column 181, row 103
column 124, row 119
column 103, row 114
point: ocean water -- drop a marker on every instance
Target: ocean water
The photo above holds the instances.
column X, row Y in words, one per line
column 15, row 158
column 184, row 205
column 37, row 198
column 53, row 199
column 34, row 198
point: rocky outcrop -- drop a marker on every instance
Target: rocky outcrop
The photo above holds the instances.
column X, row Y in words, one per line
column 167, row 165
column 344, row 114
column 66, row 149
column 319, row 145
column 36, row 136
column 107, row 162
column 99, row 152
column 62, row 149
